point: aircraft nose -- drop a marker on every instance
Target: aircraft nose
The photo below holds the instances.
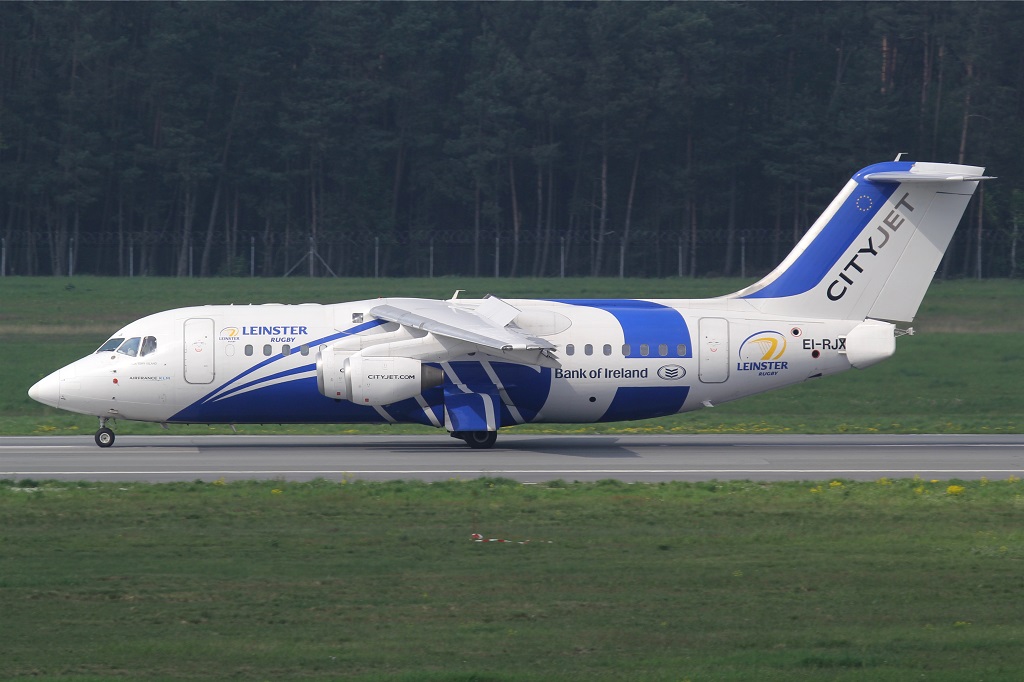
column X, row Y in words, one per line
column 47, row 390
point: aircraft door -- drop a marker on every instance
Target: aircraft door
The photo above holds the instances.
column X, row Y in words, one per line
column 199, row 350
column 714, row 350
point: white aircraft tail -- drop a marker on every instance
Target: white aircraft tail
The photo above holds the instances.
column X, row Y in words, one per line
column 875, row 249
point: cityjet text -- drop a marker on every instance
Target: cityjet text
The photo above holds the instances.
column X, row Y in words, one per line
column 893, row 221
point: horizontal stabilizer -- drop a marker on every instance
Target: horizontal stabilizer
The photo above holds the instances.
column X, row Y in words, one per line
column 907, row 176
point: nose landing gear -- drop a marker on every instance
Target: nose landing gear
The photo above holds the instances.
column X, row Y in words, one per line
column 104, row 436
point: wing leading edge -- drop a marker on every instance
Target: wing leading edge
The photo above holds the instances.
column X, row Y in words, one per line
column 486, row 325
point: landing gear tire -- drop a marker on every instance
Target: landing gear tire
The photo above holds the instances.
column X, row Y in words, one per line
column 104, row 437
column 479, row 440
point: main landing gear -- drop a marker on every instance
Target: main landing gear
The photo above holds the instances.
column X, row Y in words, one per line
column 104, row 436
column 478, row 440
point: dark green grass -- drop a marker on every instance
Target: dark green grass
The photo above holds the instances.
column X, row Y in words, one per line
column 891, row 580
column 111, row 302
column 960, row 375
column 103, row 304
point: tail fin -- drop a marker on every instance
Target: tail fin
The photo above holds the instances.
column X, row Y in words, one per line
column 874, row 250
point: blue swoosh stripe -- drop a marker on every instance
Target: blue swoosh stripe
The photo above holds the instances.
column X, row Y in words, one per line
column 215, row 393
column 267, row 379
column 644, row 322
column 849, row 221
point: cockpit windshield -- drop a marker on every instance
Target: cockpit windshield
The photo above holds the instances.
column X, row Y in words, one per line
column 110, row 345
column 137, row 346
column 130, row 347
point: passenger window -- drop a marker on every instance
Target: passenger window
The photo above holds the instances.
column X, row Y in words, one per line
column 267, row 350
column 304, row 349
column 570, row 349
column 663, row 350
column 110, row 345
column 607, row 349
column 286, row 350
column 626, row 350
column 588, row 349
column 148, row 346
column 681, row 350
column 645, row 350
column 248, row 349
column 130, row 347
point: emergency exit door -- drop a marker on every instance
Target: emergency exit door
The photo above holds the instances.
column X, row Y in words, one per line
column 714, row 350
column 199, row 350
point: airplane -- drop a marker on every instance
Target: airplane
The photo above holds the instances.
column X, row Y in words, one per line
column 473, row 366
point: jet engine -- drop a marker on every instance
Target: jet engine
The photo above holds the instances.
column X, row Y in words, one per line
column 373, row 380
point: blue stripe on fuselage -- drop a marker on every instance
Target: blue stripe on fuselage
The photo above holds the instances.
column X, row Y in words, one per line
column 644, row 322
column 298, row 400
column 290, row 402
column 221, row 391
column 645, row 402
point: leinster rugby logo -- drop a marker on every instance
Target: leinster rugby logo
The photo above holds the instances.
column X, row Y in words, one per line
column 762, row 352
column 671, row 372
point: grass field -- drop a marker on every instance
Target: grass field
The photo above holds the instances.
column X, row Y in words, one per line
column 891, row 580
column 834, row 580
column 960, row 374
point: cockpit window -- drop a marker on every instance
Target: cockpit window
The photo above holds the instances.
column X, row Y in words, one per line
column 130, row 347
column 110, row 345
column 148, row 346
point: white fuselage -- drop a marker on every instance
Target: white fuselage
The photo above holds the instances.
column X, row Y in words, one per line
column 613, row 361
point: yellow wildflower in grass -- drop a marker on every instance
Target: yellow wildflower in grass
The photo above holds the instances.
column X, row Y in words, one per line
column 220, row 481
column 1013, row 479
column 955, row 490
column 276, row 491
column 883, row 481
column 919, row 490
column 984, row 480
column 816, row 489
column 835, row 484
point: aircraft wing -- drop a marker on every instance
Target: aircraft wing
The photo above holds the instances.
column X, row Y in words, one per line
column 485, row 325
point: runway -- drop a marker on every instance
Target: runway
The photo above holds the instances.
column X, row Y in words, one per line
column 529, row 459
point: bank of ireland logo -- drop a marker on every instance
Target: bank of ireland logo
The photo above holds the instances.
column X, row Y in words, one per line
column 763, row 346
column 671, row 372
column 229, row 334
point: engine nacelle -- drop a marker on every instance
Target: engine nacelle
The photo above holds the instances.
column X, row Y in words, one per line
column 373, row 380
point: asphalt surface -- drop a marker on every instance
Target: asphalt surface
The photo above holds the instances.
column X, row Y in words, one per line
column 530, row 459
